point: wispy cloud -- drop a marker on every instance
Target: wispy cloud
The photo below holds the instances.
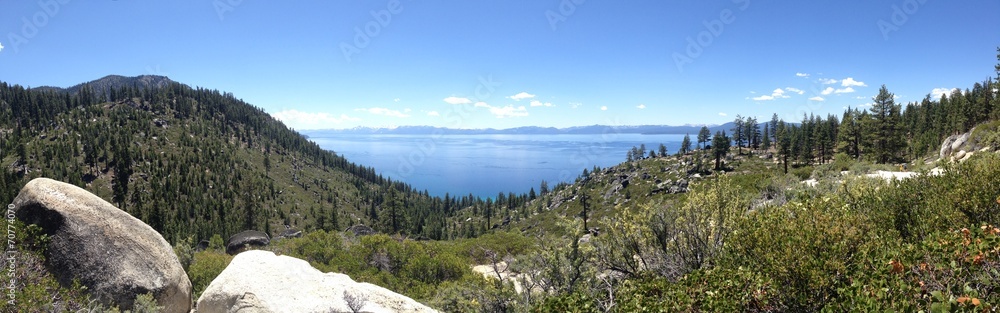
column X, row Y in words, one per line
column 395, row 100
column 457, row 100
column 640, row 106
column 801, row 74
column 307, row 120
column 844, row 90
column 827, row 81
column 433, row 113
column 776, row 94
column 536, row 103
column 574, row 105
column 522, row 95
column 481, row 104
column 795, row 90
column 384, row 111
column 817, row 98
column 848, row 82
column 509, row 111
column 936, row 93
column 827, row 91
column 723, row 114
column 604, row 108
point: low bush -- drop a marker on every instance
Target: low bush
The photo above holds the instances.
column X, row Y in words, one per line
column 205, row 267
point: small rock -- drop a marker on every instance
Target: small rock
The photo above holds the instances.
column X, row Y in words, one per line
column 959, row 155
column 361, row 230
column 246, row 239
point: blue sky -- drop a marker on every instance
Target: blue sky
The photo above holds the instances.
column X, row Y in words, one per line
column 501, row 64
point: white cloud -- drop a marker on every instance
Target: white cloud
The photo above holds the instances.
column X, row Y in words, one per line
column 575, row 105
column 827, row 81
column 1, row 47
column 509, row 111
column 481, row 104
column 866, row 105
column 827, row 91
column 777, row 93
column 859, row 97
column 844, row 90
column 847, row 82
column 536, row 103
column 384, row 111
column 604, row 108
column 938, row 92
column 817, row 98
column 311, row 120
column 801, row 74
column 457, row 100
column 795, row 90
column 433, row 113
column 723, row 114
column 521, row 96
column 640, row 106
column 395, row 100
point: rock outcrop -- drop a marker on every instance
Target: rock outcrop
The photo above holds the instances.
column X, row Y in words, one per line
column 260, row 281
column 246, row 239
column 116, row 256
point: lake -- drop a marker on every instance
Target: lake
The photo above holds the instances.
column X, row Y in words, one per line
column 485, row 165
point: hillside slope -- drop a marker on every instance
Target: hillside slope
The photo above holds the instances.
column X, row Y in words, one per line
column 197, row 162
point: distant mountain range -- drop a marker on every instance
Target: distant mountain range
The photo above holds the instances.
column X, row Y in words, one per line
column 527, row 130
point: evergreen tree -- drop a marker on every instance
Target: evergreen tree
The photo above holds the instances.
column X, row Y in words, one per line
column 784, row 142
column 765, row 141
column 886, row 127
column 720, row 147
column 703, row 136
column 663, row 150
column 686, row 144
column 738, row 133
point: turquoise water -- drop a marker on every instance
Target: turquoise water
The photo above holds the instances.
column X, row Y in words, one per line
column 485, row 165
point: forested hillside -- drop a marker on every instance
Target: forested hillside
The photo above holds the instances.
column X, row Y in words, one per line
column 194, row 162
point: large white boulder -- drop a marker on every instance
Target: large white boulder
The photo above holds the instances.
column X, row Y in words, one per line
column 116, row 256
column 260, row 281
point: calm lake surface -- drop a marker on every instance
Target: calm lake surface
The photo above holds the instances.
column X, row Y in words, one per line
column 485, row 165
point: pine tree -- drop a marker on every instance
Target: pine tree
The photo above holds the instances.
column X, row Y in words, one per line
column 738, row 135
column 784, row 142
column 886, row 127
column 765, row 141
column 703, row 136
column 686, row 144
column 720, row 147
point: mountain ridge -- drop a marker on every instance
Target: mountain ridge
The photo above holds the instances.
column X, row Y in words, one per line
column 691, row 129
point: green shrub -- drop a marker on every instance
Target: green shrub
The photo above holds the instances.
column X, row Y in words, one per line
column 950, row 271
column 806, row 248
column 206, row 266
column 802, row 172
